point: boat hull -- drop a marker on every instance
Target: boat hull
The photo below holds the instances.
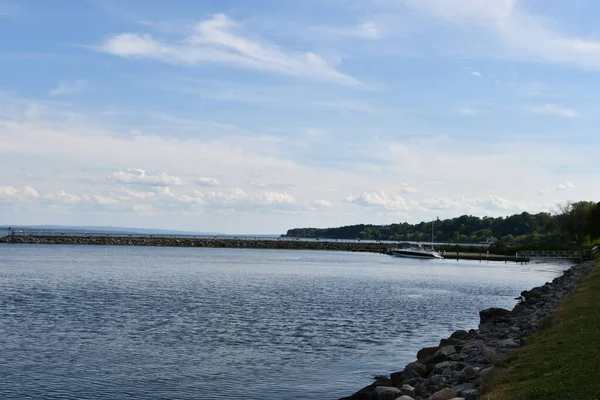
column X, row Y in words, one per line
column 414, row 254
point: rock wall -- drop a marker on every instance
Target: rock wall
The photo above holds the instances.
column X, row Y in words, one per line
column 198, row 242
column 454, row 369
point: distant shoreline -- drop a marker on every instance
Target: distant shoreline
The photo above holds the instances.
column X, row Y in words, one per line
column 282, row 244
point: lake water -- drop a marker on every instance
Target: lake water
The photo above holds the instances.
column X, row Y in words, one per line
column 182, row 323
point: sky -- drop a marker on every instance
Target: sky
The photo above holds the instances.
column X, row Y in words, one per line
column 241, row 116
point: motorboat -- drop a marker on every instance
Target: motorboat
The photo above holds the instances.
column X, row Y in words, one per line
column 417, row 251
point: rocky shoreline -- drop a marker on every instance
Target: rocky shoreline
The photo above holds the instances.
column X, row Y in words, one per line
column 456, row 368
column 162, row 241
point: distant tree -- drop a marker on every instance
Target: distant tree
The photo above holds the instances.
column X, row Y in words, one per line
column 573, row 219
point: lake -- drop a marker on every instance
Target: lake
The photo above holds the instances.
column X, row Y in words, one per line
column 111, row 322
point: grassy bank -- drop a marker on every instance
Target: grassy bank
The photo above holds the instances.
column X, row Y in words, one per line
column 562, row 360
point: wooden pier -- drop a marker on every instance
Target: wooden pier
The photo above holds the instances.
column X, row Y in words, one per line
column 448, row 255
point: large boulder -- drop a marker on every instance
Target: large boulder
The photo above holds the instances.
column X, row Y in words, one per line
column 443, row 354
column 451, row 342
column 387, row 393
column 427, row 352
column 444, row 394
column 460, row 334
column 492, row 315
column 417, row 367
column 408, row 390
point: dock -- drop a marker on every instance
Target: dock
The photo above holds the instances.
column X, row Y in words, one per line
column 448, row 255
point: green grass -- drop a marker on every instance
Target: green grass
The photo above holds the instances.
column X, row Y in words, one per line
column 562, row 360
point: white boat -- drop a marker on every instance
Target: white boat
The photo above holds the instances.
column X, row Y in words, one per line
column 415, row 252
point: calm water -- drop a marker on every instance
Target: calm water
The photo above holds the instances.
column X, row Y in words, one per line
column 166, row 323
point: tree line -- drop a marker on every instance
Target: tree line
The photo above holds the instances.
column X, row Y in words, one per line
column 574, row 223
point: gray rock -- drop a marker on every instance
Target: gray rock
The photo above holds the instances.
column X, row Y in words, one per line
column 451, row 342
column 408, row 390
column 387, row 393
column 444, row 394
column 419, row 368
column 471, row 394
column 460, row 334
column 469, row 373
column 426, row 352
column 509, row 343
column 487, row 372
column 459, row 389
column 493, row 315
column 404, row 397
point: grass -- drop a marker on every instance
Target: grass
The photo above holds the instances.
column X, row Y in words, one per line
column 562, row 359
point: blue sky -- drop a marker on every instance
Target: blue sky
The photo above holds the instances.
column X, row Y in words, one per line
column 259, row 116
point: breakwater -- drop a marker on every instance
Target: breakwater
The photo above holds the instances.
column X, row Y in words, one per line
column 458, row 366
column 199, row 242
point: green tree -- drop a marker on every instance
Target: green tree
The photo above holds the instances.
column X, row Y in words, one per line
column 573, row 219
column 593, row 222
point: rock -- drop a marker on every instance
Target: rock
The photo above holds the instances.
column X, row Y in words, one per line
column 398, row 377
column 491, row 315
column 419, row 368
column 469, row 373
column 381, row 381
column 387, row 393
column 459, row 389
column 408, row 390
column 470, row 394
column 441, row 355
column 426, row 352
column 405, row 397
column 451, row 342
column 444, row 394
column 460, row 334
column 509, row 343
column 487, row 372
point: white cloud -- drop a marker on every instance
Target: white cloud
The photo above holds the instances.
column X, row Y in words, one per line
column 220, row 40
column 207, row 181
column 11, row 194
column 62, row 197
column 140, row 177
column 567, row 185
column 276, row 198
column 321, row 204
column 366, row 30
column 235, row 194
column 522, row 34
column 406, row 188
column 484, row 204
column 553, row 109
column 69, row 88
column 476, row 74
column 467, row 111
column 271, row 185
column 378, row 199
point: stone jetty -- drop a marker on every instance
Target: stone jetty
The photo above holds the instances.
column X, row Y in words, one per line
column 457, row 367
column 163, row 241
